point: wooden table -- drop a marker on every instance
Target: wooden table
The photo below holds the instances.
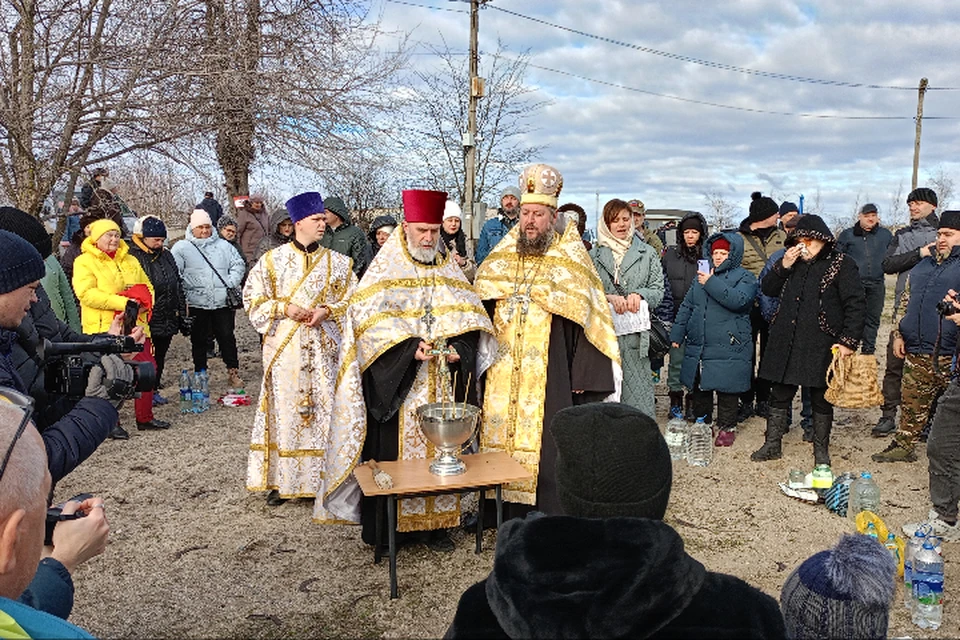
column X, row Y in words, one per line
column 412, row 479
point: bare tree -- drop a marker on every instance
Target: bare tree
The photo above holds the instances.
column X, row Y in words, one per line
column 296, row 81
column 722, row 211
column 897, row 212
column 437, row 119
column 151, row 185
column 78, row 86
column 943, row 185
column 368, row 185
column 814, row 205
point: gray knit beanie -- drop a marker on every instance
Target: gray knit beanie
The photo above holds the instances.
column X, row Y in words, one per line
column 844, row 592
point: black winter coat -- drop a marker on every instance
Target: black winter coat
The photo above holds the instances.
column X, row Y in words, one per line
column 565, row 577
column 680, row 267
column 169, row 304
column 921, row 323
column 821, row 303
column 72, row 439
column 867, row 248
column 42, row 323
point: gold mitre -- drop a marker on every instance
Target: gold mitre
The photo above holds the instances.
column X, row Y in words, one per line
column 540, row 184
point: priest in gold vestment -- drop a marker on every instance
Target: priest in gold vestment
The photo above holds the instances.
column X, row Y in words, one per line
column 557, row 346
column 411, row 304
column 295, row 296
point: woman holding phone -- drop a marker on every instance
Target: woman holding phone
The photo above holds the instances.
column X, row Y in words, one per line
column 713, row 325
column 105, row 279
column 631, row 273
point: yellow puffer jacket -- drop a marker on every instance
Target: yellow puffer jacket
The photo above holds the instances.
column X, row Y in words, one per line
column 98, row 280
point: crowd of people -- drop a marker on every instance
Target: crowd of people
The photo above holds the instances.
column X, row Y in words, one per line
column 547, row 332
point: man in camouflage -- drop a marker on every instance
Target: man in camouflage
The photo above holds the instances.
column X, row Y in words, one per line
column 639, row 212
column 910, row 245
column 916, row 339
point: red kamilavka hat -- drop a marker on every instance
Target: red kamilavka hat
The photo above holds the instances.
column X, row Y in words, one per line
column 423, row 206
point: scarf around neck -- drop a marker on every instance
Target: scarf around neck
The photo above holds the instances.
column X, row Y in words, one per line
column 618, row 247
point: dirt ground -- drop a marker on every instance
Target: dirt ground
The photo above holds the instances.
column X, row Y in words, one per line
column 193, row 554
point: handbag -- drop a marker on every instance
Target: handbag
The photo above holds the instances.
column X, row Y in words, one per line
column 234, row 296
column 852, row 382
column 659, row 337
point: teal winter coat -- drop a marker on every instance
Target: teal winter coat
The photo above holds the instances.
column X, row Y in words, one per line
column 640, row 272
column 713, row 323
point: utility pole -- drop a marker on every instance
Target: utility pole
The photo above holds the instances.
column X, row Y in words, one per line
column 470, row 137
column 916, row 145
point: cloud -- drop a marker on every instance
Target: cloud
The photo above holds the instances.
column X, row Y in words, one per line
column 618, row 142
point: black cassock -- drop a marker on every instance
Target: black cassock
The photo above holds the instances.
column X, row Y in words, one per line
column 386, row 383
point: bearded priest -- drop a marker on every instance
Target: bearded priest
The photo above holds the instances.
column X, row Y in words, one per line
column 410, row 339
column 556, row 343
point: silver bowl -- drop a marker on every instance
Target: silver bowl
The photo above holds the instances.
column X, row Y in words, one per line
column 449, row 426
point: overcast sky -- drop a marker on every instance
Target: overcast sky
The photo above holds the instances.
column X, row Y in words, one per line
column 669, row 153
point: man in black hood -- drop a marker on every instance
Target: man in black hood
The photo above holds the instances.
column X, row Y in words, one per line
column 609, row 568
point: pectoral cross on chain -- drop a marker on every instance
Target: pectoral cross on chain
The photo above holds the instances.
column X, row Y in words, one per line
column 524, row 301
column 428, row 318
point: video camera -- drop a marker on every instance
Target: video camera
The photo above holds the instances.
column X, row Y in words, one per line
column 67, row 366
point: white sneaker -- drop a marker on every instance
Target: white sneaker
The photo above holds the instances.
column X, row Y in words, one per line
column 940, row 529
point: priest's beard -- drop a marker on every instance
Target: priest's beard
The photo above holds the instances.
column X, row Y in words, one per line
column 421, row 254
column 536, row 246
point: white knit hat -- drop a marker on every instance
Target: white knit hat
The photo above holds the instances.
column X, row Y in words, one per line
column 199, row 217
column 451, row 210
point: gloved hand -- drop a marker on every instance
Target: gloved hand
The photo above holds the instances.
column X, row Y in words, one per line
column 186, row 325
column 111, row 380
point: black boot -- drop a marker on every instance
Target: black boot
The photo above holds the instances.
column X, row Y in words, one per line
column 776, row 427
column 822, row 424
column 676, row 401
column 702, row 405
column 688, row 412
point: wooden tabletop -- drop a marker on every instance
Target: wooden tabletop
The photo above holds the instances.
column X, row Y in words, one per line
column 413, row 476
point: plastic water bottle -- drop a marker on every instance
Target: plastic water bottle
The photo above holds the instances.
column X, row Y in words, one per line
column 915, row 544
column 892, row 548
column 927, row 587
column 196, row 392
column 872, row 531
column 864, row 495
column 700, row 444
column 186, row 397
column 676, row 435
column 205, row 388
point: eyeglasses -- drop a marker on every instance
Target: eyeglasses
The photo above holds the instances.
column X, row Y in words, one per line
column 25, row 403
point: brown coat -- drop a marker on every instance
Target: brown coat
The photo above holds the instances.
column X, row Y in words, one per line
column 251, row 227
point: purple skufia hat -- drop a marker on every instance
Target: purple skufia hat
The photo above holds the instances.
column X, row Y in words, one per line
column 304, row 205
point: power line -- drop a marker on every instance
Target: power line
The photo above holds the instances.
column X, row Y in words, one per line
column 728, row 106
column 617, row 85
column 711, row 64
column 426, row 6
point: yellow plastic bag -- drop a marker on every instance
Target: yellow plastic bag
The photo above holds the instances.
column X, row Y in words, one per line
column 864, row 518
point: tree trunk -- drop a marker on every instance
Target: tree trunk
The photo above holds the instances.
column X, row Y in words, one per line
column 233, row 59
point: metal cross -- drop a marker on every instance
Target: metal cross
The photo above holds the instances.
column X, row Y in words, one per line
column 428, row 318
column 524, row 301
